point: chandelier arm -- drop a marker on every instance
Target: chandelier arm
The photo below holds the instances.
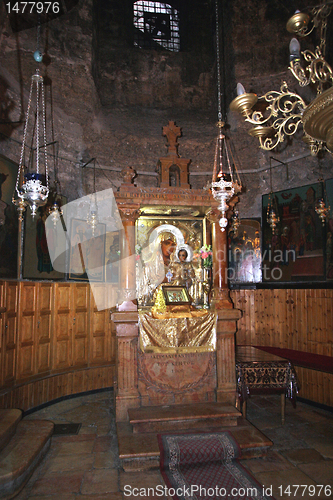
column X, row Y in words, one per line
column 287, row 124
column 319, row 15
column 283, row 102
column 268, row 143
column 318, row 70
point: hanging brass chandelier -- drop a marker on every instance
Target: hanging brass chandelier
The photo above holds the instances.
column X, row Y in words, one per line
column 285, row 111
column 29, row 186
column 225, row 181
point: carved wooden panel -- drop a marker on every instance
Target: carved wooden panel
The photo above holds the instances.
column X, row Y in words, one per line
column 99, row 326
column 80, row 324
column 26, row 330
column 10, row 332
column 49, row 340
column 63, row 327
column 44, row 327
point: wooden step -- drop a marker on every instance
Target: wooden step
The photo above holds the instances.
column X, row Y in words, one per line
column 9, row 420
column 21, row 456
column 182, row 417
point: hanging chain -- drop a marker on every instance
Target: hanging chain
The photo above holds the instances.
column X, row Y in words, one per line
column 37, row 126
column 270, row 174
column 38, row 34
column 24, row 139
column 44, row 133
column 218, row 65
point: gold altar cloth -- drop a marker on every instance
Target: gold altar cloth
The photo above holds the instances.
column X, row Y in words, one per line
column 187, row 333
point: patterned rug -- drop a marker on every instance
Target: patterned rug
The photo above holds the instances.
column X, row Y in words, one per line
column 205, row 466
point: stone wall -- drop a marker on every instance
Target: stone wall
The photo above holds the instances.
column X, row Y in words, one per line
column 110, row 100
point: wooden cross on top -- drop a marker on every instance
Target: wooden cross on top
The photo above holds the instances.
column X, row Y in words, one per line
column 172, row 132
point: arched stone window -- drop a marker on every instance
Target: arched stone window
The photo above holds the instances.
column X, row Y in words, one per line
column 156, row 25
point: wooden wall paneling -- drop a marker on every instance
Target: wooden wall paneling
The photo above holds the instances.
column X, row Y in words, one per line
column 250, row 323
column 238, row 299
column 287, row 340
column 112, row 340
column 26, row 332
column 81, row 295
column 281, row 327
column 78, row 381
column 302, row 385
column 242, row 301
column 10, row 332
column 328, row 388
column 327, row 337
column 244, row 319
column 318, row 334
column 42, row 391
column 329, row 322
column 258, row 315
column 320, row 386
column 297, row 328
column 303, row 317
column 99, row 326
column 45, row 303
column 311, row 319
column 270, row 311
column 63, row 327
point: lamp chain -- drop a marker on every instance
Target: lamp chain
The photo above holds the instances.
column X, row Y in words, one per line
column 37, row 128
column 44, row 133
column 24, row 139
column 38, row 34
column 218, row 65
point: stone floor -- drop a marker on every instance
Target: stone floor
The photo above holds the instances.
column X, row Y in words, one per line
column 86, row 466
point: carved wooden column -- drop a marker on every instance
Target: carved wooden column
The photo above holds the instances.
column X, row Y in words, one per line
column 126, row 388
column 227, row 316
column 127, row 275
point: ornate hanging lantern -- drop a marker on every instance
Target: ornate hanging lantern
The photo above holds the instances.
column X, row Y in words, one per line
column 225, row 183
column 272, row 209
column 32, row 191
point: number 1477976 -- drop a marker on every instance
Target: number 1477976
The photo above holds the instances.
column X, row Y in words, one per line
column 33, row 7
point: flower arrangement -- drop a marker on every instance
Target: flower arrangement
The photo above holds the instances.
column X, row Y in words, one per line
column 206, row 255
column 138, row 250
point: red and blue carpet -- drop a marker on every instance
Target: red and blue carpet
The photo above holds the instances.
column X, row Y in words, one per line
column 205, row 466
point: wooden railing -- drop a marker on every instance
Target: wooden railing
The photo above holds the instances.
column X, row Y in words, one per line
column 299, row 319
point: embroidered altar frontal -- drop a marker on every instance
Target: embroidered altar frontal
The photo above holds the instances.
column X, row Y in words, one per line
column 185, row 334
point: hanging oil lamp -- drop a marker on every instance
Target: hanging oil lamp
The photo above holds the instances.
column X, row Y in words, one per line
column 272, row 209
column 225, row 183
column 320, row 206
